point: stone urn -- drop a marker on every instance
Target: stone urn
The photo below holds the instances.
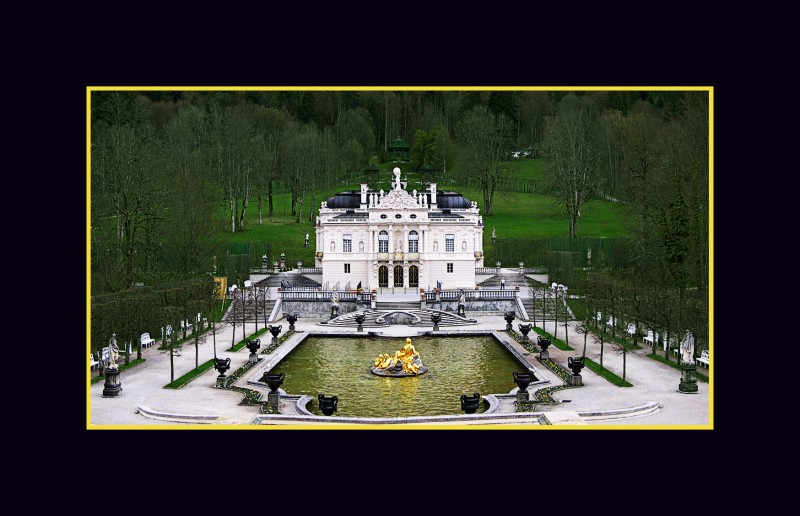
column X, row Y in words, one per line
column 576, row 364
column 509, row 316
column 328, row 405
column 273, row 380
column 469, row 404
column 360, row 320
column 222, row 365
column 544, row 343
column 436, row 318
column 292, row 318
column 523, row 380
column 525, row 329
column 253, row 346
column 275, row 330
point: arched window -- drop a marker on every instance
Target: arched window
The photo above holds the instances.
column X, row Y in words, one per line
column 383, row 242
column 398, row 275
column 413, row 242
column 383, row 276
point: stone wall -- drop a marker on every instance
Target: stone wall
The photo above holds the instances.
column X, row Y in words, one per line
column 319, row 309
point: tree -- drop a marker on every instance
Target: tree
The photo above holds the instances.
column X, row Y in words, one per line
column 123, row 165
column 170, row 317
column 483, row 142
column 571, row 151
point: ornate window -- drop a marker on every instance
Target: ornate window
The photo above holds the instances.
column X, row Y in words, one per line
column 383, row 242
column 347, row 243
column 413, row 242
column 449, row 243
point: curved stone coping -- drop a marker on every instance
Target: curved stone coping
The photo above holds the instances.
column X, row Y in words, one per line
column 304, row 400
column 276, row 356
column 386, row 313
column 485, row 417
column 637, row 411
column 388, row 374
column 179, row 418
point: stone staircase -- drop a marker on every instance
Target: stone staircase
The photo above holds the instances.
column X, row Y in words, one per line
column 290, row 279
column 274, row 280
column 412, row 317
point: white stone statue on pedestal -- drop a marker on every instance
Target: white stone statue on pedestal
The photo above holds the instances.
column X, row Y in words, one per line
column 396, row 173
column 113, row 352
column 687, row 349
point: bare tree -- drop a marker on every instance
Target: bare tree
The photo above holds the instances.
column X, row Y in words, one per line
column 484, row 140
column 571, row 151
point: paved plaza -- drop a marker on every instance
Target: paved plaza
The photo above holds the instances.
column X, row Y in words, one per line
column 146, row 404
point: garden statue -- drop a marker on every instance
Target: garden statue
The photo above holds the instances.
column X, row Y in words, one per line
column 687, row 349
column 404, row 362
column 461, row 299
column 113, row 352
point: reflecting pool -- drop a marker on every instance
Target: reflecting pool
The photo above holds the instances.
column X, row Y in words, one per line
column 341, row 366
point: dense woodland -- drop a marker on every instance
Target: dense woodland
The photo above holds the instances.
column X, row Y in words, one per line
column 172, row 172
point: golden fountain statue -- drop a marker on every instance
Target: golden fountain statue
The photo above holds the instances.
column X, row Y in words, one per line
column 404, row 362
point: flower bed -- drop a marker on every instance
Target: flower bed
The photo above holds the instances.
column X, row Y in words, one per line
column 272, row 347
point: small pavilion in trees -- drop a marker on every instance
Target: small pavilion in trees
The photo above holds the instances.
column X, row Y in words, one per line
column 398, row 150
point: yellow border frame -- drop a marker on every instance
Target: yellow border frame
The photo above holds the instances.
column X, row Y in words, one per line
column 709, row 89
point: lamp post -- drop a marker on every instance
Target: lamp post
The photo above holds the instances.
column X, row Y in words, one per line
column 556, row 289
column 494, row 243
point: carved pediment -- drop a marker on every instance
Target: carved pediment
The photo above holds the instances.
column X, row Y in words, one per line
column 398, row 199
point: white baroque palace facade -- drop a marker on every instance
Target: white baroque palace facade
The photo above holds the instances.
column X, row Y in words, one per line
column 399, row 239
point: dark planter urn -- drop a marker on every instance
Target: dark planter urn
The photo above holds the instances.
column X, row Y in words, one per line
column 436, row 318
column 576, row 364
column 273, row 380
column 509, row 316
column 292, row 318
column 523, row 380
column 253, row 346
column 328, row 405
column 524, row 329
column 222, row 365
column 275, row 330
column 469, row 404
column 360, row 320
column 544, row 342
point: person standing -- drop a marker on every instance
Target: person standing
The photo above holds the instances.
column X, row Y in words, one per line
column 502, row 283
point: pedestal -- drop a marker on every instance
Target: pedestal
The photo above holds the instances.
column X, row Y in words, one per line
column 461, row 311
column 273, row 399
column 112, row 388
column 222, row 382
column 253, row 358
column 274, row 342
column 688, row 383
column 544, row 353
column 523, row 396
column 360, row 328
column 577, row 380
column 435, row 327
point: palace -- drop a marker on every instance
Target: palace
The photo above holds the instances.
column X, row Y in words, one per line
column 399, row 239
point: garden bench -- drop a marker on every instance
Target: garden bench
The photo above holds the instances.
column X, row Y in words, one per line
column 631, row 329
column 650, row 338
column 186, row 325
column 704, row 357
column 146, row 340
column 92, row 362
